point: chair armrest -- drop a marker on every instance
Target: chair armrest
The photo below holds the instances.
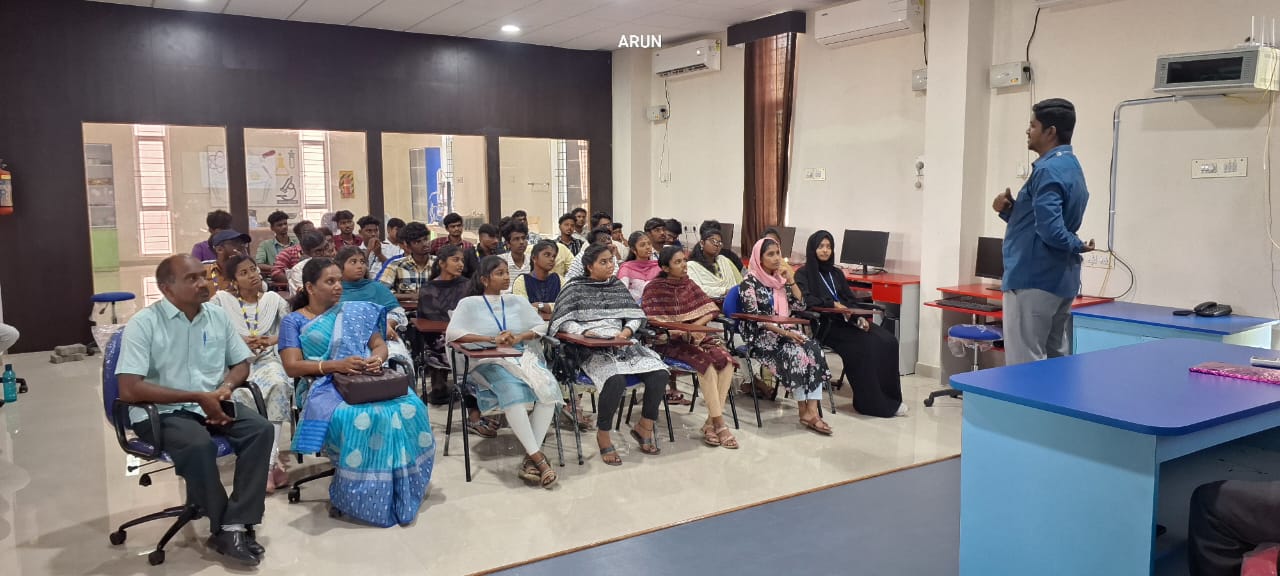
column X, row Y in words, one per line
column 551, row 340
column 396, row 362
column 256, row 392
column 120, row 412
column 761, row 319
column 807, row 315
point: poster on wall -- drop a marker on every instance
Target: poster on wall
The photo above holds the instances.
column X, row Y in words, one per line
column 437, row 203
column 214, row 176
column 273, row 176
column 347, row 184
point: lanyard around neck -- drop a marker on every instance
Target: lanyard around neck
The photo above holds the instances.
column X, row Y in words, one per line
column 502, row 324
column 830, row 284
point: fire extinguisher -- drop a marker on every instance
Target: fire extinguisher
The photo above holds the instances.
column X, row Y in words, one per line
column 6, row 190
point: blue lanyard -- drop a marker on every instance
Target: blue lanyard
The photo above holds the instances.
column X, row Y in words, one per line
column 831, row 285
column 502, row 324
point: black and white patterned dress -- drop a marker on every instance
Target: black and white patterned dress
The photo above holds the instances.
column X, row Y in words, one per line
column 800, row 366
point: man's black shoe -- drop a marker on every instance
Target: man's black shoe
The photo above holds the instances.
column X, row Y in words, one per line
column 439, row 398
column 251, row 541
column 234, row 546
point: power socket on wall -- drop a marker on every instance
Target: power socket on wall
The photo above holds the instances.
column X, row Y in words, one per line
column 1099, row 259
column 815, row 174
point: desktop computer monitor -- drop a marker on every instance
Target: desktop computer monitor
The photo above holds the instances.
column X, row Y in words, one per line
column 867, row 248
column 788, row 240
column 726, row 233
column 990, row 261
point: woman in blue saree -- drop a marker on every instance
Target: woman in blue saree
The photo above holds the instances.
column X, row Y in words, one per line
column 383, row 451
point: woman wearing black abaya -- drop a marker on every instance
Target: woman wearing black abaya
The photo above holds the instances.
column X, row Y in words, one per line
column 869, row 352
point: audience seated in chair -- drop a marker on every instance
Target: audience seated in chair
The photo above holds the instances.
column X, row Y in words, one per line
column 514, row 385
column 356, row 287
column 184, row 355
column 673, row 297
column 869, row 352
column 598, row 305
column 796, row 360
column 289, row 257
column 314, row 245
column 216, row 221
column 256, row 314
column 383, row 451
column 270, row 249
column 515, row 237
column 710, row 268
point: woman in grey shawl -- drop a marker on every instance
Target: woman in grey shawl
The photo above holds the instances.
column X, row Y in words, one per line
column 598, row 305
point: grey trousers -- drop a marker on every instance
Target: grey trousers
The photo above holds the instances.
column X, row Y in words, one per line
column 187, row 440
column 1227, row 520
column 1036, row 326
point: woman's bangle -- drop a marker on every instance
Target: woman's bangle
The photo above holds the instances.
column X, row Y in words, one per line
column 320, row 366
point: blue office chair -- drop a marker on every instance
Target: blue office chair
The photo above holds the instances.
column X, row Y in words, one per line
column 975, row 336
column 117, row 412
column 732, row 306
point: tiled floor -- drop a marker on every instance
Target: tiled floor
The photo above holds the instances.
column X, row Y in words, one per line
column 63, row 487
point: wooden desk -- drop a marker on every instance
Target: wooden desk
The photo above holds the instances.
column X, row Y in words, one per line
column 991, row 292
column 843, row 311
column 500, row 352
column 900, row 295
column 430, row 326
column 683, row 327
column 590, row 342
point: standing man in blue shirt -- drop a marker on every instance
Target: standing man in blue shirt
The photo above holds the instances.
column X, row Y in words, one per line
column 1041, row 249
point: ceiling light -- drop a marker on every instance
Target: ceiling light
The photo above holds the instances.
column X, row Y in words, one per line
column 510, row 28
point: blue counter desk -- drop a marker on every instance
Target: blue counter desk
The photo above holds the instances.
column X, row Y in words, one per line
column 1063, row 459
column 1114, row 324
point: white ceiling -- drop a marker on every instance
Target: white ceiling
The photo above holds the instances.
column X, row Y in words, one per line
column 579, row 24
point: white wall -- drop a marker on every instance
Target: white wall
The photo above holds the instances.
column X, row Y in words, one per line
column 1188, row 240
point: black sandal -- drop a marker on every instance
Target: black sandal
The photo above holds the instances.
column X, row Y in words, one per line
column 617, row 460
column 649, row 446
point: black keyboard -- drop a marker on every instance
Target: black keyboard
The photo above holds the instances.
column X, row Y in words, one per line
column 969, row 305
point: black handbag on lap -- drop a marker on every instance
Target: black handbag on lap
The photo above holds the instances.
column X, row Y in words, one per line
column 366, row 388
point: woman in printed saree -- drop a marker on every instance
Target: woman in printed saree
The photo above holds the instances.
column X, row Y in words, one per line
column 514, row 385
column 597, row 305
column 256, row 316
column 796, row 360
column 674, row 297
column 383, row 451
column 357, row 288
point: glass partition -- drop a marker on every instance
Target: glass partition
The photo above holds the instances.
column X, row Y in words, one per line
column 545, row 178
column 308, row 174
column 149, row 189
column 426, row 176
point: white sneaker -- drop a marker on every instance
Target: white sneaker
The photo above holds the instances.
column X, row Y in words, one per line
column 902, row 410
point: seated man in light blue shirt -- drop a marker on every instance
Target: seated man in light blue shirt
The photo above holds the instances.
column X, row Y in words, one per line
column 184, row 355
column 1041, row 249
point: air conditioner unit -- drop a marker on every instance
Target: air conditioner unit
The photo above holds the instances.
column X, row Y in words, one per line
column 685, row 59
column 867, row 20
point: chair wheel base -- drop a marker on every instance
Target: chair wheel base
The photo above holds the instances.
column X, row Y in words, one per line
column 928, row 402
column 295, row 495
column 156, row 557
column 117, row 537
column 145, row 480
column 334, row 512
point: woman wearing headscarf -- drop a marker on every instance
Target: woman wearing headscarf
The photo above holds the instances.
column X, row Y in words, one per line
column 710, row 269
column 796, row 360
column 869, row 352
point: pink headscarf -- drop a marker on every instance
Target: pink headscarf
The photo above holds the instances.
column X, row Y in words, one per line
column 773, row 281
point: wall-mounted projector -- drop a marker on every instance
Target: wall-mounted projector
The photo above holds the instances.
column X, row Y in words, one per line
column 1244, row 69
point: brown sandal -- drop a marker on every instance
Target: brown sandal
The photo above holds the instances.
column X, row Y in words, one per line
column 726, row 438
column 546, row 476
column 529, row 470
column 817, row 425
column 709, row 436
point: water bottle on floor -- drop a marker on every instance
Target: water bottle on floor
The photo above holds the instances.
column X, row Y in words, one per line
column 10, row 384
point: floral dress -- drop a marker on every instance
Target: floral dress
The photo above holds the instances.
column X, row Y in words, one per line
column 802, row 366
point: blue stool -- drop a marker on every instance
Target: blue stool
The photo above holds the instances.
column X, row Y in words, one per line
column 970, row 336
column 112, row 298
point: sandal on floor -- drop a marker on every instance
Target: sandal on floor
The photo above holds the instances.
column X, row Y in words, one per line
column 649, row 446
column 709, row 436
column 546, row 476
column 817, row 425
column 615, row 461
column 529, row 470
column 726, row 438
column 485, row 428
column 677, row 399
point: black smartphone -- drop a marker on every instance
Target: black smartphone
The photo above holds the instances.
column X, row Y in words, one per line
column 477, row 346
column 228, row 408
